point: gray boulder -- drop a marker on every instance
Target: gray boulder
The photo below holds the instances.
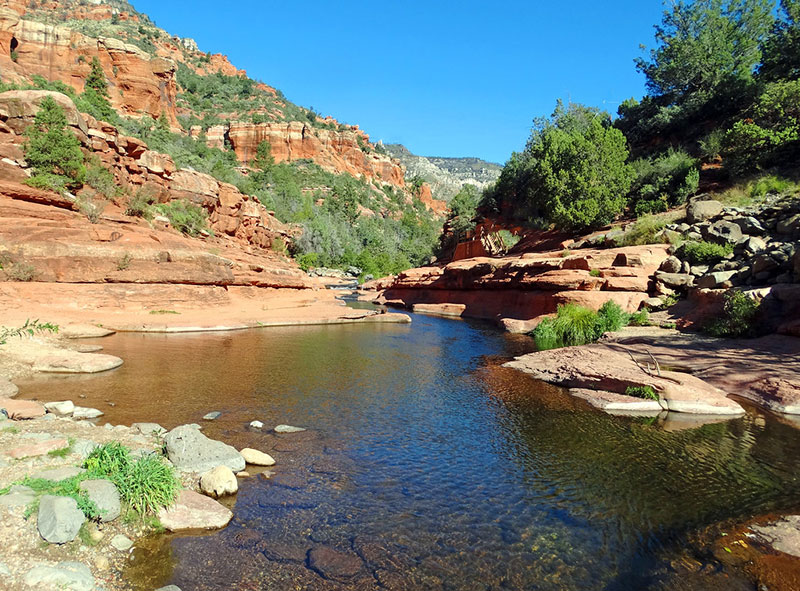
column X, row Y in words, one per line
column 718, row 280
column 675, row 280
column 671, row 264
column 191, row 451
column 70, row 576
column 59, row 519
column 723, row 233
column 104, row 494
column 700, row 211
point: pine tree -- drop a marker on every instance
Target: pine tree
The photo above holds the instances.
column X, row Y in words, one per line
column 95, row 97
column 52, row 149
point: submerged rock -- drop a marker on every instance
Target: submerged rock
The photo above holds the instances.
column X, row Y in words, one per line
column 194, row 511
column 189, row 450
column 288, row 429
column 212, row 416
column 59, row 519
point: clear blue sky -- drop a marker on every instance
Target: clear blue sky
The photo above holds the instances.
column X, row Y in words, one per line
column 443, row 77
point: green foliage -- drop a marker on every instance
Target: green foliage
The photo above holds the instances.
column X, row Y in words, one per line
column 141, row 204
column 644, row 231
column 100, row 179
column 704, row 253
column 781, row 50
column 740, row 317
column 63, row 488
column 52, row 150
column 145, row 484
column 663, row 181
column 640, row 318
column 771, row 184
column 770, row 133
column 573, row 172
column 30, row 328
column 576, row 325
column 460, row 219
column 184, row 216
column 264, row 160
column 611, row 317
column 645, row 392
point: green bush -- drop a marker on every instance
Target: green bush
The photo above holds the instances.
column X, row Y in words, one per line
column 704, row 253
column 100, row 179
column 52, row 150
column 740, row 317
column 611, row 317
column 576, row 325
column 573, row 172
column 640, row 318
column 664, row 181
column 646, row 392
column 185, row 217
column 770, row 184
column 141, row 204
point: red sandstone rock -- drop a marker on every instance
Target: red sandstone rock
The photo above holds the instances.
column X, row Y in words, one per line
column 22, row 409
column 37, row 449
column 194, row 511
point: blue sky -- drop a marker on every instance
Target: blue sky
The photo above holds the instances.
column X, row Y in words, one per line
column 445, row 78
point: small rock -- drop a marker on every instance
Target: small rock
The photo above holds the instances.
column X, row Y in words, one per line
column 219, row 482
column 18, row 496
column 243, row 474
column 105, row 496
column 194, row 511
column 149, row 428
column 121, row 543
column 169, row 588
column 675, row 280
column 62, row 409
column 69, row 576
column 4, row 570
column 652, row 303
column 59, row 519
column 212, row 415
column 84, row 447
column 95, row 533
column 256, row 424
column 288, row 429
column 257, row 458
column 82, row 412
column 718, row 280
column 101, row 563
column 7, row 389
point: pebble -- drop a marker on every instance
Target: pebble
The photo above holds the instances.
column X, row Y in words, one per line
column 101, row 563
column 121, row 543
column 212, row 415
column 257, row 425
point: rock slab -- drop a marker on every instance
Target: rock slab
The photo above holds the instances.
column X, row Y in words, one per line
column 191, row 451
column 194, row 511
column 69, row 576
column 59, row 519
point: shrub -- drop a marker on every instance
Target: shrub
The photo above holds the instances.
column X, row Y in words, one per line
column 108, row 460
column 664, row 181
column 576, row 325
column 740, row 317
column 141, row 204
column 21, row 272
column 770, row 184
column 611, row 317
column 640, row 318
column 186, row 217
column 100, row 179
column 52, row 150
column 646, row 392
column 705, row 253
column 711, row 146
column 30, row 328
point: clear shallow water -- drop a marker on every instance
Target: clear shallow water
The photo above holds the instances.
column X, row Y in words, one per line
column 428, row 466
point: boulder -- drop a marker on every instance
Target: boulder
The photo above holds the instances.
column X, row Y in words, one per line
column 62, row 409
column 59, row 519
column 219, row 482
column 700, row 211
column 717, row 280
column 789, row 225
column 783, row 535
column 257, row 458
column 19, row 107
column 69, row 576
column 723, row 232
column 7, row 389
column 671, row 264
column 189, row 450
column 105, row 495
column 194, row 511
column 675, row 280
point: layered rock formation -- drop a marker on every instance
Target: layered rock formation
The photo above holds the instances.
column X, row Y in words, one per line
column 524, row 287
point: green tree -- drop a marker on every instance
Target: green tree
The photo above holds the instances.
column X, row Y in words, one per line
column 573, row 172
column 96, row 80
column 782, row 49
column 52, row 150
column 705, row 44
column 462, row 211
column 264, row 160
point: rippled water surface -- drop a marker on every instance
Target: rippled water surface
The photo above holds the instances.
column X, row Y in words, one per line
column 427, row 466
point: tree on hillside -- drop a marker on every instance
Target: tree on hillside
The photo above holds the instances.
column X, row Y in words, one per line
column 95, row 95
column 573, row 172
column 782, row 49
column 52, row 150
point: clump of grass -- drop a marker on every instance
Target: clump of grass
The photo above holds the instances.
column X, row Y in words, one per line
column 162, row 312
column 107, row 460
column 705, row 253
column 640, row 318
column 645, row 392
column 594, row 273
column 576, row 325
column 646, row 228
column 740, row 317
column 21, row 271
column 124, row 263
column 770, row 184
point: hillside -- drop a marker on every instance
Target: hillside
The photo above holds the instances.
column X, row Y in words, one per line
column 347, row 200
column 446, row 176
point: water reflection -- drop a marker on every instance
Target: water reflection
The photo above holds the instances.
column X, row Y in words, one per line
column 428, row 466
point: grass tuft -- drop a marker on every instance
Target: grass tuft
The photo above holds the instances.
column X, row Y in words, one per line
column 645, row 392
